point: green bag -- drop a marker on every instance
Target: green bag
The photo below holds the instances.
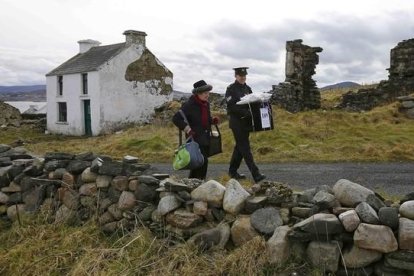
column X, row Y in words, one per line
column 188, row 156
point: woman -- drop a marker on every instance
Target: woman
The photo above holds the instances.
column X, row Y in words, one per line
column 197, row 111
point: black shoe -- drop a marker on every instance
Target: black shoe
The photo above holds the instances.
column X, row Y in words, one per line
column 237, row 176
column 259, row 177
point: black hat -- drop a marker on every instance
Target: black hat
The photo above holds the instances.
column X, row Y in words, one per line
column 241, row 71
column 201, row 86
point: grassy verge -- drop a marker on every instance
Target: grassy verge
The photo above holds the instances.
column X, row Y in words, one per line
column 382, row 134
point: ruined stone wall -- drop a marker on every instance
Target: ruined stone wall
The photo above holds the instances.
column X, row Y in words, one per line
column 346, row 229
column 400, row 81
column 299, row 91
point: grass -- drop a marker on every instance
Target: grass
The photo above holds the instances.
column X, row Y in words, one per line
column 382, row 134
column 43, row 249
column 38, row 248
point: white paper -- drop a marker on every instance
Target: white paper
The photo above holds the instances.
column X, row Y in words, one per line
column 265, row 117
column 255, row 97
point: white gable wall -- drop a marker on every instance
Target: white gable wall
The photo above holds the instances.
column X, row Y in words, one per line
column 123, row 101
column 72, row 95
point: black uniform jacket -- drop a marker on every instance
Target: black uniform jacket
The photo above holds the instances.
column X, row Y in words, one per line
column 240, row 117
column 193, row 113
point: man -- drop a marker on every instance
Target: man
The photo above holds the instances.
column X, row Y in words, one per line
column 240, row 122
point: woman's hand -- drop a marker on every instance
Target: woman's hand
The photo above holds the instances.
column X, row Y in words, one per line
column 215, row 121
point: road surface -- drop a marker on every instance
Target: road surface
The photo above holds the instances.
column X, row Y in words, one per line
column 392, row 178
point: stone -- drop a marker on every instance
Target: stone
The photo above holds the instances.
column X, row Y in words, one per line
column 88, row 202
column 127, row 200
column 65, row 215
column 57, row 174
column 385, row 270
column 277, row 247
column 407, row 197
column 130, row 159
column 115, row 212
column 349, row 193
column 285, row 215
column 105, row 203
column 88, row 189
column 253, row 203
column 161, row 176
column 12, row 188
column 3, row 198
column 133, row 185
column 349, row 220
column 234, row 197
column 148, row 180
column 375, row 202
column 68, row 179
column 301, row 212
column 402, row 259
column 86, row 156
column 77, row 166
column 321, row 224
column 324, row 255
column 69, row 198
column 56, row 164
column 211, row 191
column 324, row 200
column 389, row 216
column 103, row 181
column 33, row 198
column 120, row 183
column 185, row 233
column 145, row 193
column 145, row 214
column 58, row 156
column 13, row 210
column 174, row 186
column 168, row 204
column 212, row 238
column 375, row 237
column 15, row 198
column 366, row 213
column 110, row 227
column 242, row 231
column 112, row 168
column 355, row 257
column 113, row 194
column 87, row 176
column 406, row 234
column 266, row 220
column 407, row 209
column 200, row 208
column 183, row 219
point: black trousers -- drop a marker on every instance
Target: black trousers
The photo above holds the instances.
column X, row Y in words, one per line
column 242, row 151
column 201, row 172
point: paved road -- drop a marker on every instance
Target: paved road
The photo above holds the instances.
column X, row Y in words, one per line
column 394, row 178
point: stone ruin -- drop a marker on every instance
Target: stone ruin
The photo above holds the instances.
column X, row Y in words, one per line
column 299, row 91
column 346, row 229
column 400, row 81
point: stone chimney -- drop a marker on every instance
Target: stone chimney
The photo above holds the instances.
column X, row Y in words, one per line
column 134, row 37
column 85, row 45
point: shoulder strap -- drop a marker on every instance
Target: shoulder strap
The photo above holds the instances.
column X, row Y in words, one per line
column 184, row 117
column 180, row 139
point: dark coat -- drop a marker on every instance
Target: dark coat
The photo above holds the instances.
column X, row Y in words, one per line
column 240, row 116
column 193, row 113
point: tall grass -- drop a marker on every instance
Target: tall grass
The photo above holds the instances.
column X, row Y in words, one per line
column 382, row 134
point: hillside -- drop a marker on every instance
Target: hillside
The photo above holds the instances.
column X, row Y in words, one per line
column 34, row 93
column 340, row 85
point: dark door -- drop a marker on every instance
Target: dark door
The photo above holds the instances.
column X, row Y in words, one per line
column 87, row 113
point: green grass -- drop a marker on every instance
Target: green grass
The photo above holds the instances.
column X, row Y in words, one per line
column 382, row 134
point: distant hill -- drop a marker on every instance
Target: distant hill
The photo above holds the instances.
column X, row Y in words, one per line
column 35, row 93
column 344, row 84
column 177, row 95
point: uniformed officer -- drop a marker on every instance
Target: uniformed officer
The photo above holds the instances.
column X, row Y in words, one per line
column 240, row 122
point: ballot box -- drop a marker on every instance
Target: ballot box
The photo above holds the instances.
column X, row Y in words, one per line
column 262, row 116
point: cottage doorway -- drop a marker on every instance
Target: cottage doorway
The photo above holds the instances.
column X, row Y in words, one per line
column 87, row 117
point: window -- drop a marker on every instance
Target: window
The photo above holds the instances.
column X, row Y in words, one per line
column 85, row 84
column 60, row 85
column 62, row 112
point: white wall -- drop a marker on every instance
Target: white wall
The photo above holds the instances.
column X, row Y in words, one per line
column 72, row 95
column 114, row 100
column 123, row 101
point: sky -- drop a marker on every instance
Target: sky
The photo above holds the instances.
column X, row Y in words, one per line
column 206, row 39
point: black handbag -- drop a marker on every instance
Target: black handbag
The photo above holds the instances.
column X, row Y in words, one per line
column 215, row 142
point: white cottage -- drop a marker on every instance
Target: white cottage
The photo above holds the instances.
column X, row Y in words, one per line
column 103, row 88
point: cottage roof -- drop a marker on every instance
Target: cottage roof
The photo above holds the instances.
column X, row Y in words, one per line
column 88, row 61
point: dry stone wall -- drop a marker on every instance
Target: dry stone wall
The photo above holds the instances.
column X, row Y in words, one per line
column 400, row 81
column 346, row 229
column 299, row 91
